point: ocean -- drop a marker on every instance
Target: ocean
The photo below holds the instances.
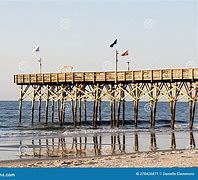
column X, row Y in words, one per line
column 10, row 127
column 14, row 137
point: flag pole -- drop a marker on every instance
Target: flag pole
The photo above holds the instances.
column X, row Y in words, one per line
column 128, row 65
column 40, row 64
column 116, row 65
column 37, row 50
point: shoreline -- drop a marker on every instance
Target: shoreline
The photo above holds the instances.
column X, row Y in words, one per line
column 174, row 158
column 96, row 146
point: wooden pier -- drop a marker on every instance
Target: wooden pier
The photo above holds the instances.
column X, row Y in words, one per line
column 80, row 87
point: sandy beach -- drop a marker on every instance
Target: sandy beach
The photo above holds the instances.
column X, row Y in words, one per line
column 182, row 158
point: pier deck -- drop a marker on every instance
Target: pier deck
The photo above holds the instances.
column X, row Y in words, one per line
column 108, row 77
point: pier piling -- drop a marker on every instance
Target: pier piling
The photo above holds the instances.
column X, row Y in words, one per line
column 33, row 101
column 52, row 111
column 47, row 104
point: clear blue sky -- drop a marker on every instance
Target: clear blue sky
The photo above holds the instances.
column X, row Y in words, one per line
column 158, row 34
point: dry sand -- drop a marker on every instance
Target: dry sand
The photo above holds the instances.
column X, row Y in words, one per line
column 184, row 158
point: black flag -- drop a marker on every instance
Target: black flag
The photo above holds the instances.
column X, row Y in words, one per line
column 36, row 49
column 115, row 42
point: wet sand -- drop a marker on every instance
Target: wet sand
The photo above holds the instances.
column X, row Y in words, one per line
column 180, row 158
column 123, row 149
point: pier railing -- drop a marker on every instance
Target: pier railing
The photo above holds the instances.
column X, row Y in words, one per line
column 122, row 76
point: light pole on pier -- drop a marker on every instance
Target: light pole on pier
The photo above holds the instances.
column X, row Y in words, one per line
column 116, row 59
column 116, row 64
column 128, row 65
column 39, row 58
column 40, row 65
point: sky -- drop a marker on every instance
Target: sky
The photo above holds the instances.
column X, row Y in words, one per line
column 157, row 34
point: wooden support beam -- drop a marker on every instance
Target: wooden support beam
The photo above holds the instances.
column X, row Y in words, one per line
column 95, row 106
column 192, row 105
column 39, row 104
column 96, row 114
column 136, row 104
column 80, row 111
column 153, row 105
column 93, row 116
column 21, row 104
column 119, row 107
column 58, row 110
column 52, row 111
column 118, row 117
column 173, row 99
column 72, row 109
column 85, row 111
column 75, row 112
column 123, row 109
column 47, row 104
column 100, row 111
column 111, row 113
column 172, row 109
column 62, row 106
column 33, row 102
column 114, row 112
column 62, row 111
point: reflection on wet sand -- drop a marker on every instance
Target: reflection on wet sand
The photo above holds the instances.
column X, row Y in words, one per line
column 192, row 141
column 153, row 143
column 96, row 145
column 117, row 144
column 173, row 141
column 136, row 144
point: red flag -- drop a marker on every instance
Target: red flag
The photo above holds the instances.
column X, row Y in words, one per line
column 125, row 53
